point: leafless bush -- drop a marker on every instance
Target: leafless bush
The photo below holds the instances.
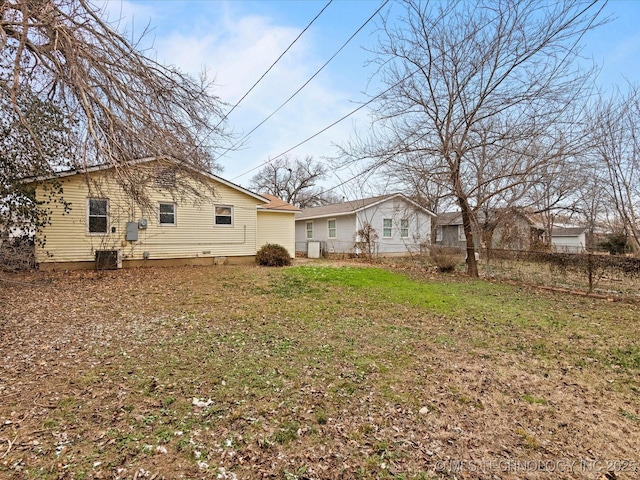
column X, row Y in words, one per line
column 446, row 259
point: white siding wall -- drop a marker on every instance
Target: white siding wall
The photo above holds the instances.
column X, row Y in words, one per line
column 569, row 244
column 348, row 225
column 277, row 227
column 396, row 210
column 194, row 234
column 345, row 233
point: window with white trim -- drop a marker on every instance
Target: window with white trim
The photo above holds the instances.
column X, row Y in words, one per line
column 223, row 215
column 331, row 225
column 461, row 237
column 97, row 216
column 167, row 213
column 387, row 225
column 439, row 233
column 404, row 228
column 309, row 229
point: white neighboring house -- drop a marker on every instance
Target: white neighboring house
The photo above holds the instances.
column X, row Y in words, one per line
column 400, row 226
column 569, row 239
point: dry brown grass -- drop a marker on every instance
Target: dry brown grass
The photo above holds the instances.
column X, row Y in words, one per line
column 312, row 373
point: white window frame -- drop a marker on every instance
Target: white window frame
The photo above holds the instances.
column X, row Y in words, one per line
column 309, row 230
column 385, row 228
column 175, row 214
column 89, row 216
column 439, row 233
column 215, row 216
column 335, row 228
column 404, row 228
column 461, row 237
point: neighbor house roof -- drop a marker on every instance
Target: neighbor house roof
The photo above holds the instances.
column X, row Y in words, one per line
column 567, row 231
column 449, row 218
column 139, row 161
column 349, row 207
column 455, row 218
column 277, row 205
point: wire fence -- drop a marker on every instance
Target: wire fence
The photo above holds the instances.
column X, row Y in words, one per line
column 592, row 272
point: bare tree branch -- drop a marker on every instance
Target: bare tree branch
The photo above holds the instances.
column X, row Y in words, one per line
column 121, row 104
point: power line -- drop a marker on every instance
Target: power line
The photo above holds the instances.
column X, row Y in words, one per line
column 344, row 117
column 226, row 115
column 272, row 65
column 307, row 82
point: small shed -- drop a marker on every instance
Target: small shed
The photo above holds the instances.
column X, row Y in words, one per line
column 569, row 239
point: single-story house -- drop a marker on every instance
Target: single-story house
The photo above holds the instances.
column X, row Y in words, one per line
column 210, row 221
column 384, row 225
column 510, row 229
column 569, row 239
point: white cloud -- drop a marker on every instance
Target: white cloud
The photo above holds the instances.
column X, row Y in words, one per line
column 236, row 48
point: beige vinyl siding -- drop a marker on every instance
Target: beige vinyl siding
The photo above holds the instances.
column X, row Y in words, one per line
column 277, row 227
column 193, row 235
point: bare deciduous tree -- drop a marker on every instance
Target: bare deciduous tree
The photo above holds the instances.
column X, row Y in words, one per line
column 294, row 180
column 479, row 93
column 615, row 134
column 120, row 104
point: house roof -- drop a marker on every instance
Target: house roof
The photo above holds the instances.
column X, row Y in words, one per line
column 139, row 161
column 567, row 231
column 349, row 207
column 277, row 205
column 455, row 218
column 449, row 218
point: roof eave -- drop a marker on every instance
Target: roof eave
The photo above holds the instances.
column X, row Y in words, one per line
column 98, row 168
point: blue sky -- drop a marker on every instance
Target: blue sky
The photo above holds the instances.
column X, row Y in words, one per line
column 236, row 41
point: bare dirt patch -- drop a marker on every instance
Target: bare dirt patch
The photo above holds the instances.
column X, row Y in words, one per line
column 246, row 372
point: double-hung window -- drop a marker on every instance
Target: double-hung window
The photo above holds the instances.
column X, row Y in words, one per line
column 387, row 224
column 98, row 216
column 309, row 230
column 404, row 228
column 331, row 224
column 223, row 215
column 439, row 233
column 167, row 213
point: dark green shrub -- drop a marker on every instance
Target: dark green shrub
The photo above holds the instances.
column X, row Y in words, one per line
column 272, row 255
column 616, row 244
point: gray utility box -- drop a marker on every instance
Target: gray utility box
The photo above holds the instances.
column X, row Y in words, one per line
column 132, row 232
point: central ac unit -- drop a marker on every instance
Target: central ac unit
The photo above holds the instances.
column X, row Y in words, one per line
column 108, row 259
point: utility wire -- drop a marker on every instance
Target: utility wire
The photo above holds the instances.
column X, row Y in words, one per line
column 269, row 69
column 344, row 117
column 307, row 82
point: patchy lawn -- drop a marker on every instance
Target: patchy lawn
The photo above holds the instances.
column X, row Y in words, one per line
column 312, row 372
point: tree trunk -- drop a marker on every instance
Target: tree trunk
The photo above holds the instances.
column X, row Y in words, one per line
column 472, row 265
